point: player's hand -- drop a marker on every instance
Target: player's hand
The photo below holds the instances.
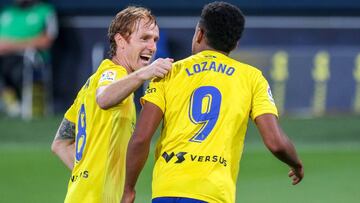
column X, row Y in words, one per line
column 159, row 68
column 296, row 174
column 128, row 196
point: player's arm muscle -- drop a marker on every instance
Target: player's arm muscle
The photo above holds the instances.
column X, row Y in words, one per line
column 139, row 144
column 279, row 144
column 64, row 143
column 113, row 94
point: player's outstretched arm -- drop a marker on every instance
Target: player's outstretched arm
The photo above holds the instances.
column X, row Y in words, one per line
column 64, row 143
column 138, row 148
column 280, row 145
column 111, row 95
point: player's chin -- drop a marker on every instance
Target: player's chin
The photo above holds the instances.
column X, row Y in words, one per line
column 144, row 62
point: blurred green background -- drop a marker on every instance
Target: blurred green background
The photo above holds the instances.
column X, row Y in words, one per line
column 328, row 146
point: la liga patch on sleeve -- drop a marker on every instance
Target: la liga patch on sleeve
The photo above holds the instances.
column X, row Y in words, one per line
column 108, row 75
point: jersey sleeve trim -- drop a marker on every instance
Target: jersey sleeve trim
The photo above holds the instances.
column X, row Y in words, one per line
column 153, row 100
column 265, row 111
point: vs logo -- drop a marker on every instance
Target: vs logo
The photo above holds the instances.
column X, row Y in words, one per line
column 179, row 156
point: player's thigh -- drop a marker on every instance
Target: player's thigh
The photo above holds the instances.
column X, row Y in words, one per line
column 176, row 200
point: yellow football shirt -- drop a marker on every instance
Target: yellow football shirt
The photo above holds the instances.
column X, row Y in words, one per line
column 206, row 100
column 101, row 141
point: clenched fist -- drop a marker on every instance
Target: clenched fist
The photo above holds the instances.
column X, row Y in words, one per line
column 159, row 68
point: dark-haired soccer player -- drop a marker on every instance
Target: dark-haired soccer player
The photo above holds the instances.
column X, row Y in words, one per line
column 205, row 102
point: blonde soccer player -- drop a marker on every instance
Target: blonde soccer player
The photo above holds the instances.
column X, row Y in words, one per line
column 93, row 136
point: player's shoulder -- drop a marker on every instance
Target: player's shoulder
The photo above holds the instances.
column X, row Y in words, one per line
column 244, row 67
column 109, row 66
column 107, row 72
column 177, row 67
column 185, row 62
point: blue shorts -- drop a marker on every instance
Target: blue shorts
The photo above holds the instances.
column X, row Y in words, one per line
column 176, row 200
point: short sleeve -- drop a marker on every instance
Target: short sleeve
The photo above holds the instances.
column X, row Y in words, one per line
column 71, row 113
column 262, row 102
column 155, row 93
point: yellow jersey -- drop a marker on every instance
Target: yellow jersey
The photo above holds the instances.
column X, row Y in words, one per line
column 206, row 99
column 101, row 141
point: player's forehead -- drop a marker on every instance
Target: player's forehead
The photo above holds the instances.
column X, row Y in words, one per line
column 146, row 27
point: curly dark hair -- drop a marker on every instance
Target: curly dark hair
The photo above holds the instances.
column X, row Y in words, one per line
column 223, row 25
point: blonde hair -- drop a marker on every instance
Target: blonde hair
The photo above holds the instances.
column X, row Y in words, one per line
column 125, row 23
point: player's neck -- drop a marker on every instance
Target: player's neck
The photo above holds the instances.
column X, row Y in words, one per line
column 206, row 47
column 118, row 61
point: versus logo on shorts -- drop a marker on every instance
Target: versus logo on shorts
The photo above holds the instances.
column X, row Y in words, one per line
column 108, row 76
column 180, row 157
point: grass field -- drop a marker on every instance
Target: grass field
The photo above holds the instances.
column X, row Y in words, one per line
column 329, row 148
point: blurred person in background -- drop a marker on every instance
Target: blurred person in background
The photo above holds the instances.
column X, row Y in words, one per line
column 93, row 136
column 27, row 25
column 205, row 103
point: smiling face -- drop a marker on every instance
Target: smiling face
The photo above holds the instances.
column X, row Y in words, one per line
column 140, row 46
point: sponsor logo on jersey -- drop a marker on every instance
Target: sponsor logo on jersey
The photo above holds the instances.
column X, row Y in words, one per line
column 81, row 174
column 150, row 90
column 179, row 156
column 185, row 156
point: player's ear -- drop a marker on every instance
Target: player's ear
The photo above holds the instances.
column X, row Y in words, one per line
column 120, row 41
column 199, row 35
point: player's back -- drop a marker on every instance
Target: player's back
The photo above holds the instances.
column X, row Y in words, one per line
column 207, row 100
column 101, row 141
